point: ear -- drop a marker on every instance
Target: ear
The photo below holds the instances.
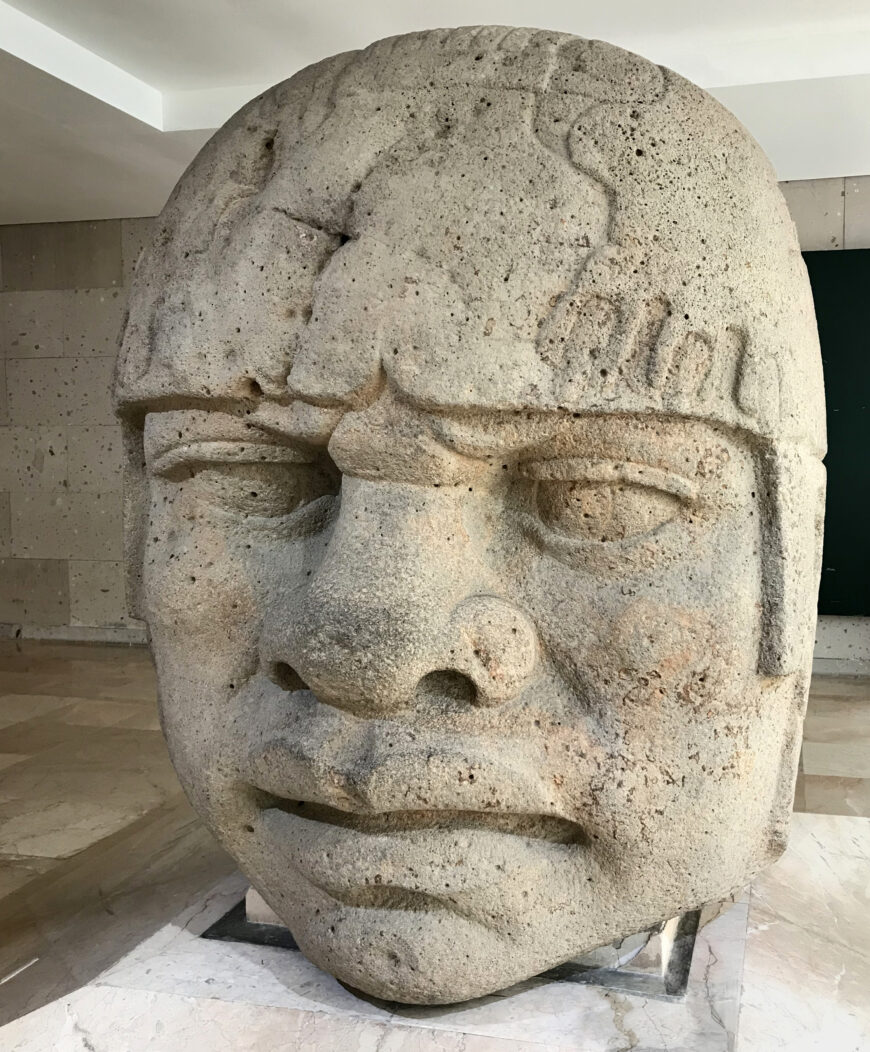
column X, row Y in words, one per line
column 792, row 485
column 135, row 515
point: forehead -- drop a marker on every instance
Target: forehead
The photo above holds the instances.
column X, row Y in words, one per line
column 453, row 243
column 471, row 224
column 463, row 300
column 486, row 200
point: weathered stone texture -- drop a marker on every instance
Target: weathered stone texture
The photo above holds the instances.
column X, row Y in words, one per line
column 473, row 414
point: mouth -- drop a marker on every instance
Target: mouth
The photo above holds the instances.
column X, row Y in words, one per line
column 380, row 777
column 549, row 828
column 478, row 865
column 375, row 813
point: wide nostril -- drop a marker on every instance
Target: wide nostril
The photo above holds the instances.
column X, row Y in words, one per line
column 448, row 686
column 286, row 677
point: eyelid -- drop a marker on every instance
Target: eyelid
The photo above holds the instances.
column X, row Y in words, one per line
column 252, row 452
column 581, row 469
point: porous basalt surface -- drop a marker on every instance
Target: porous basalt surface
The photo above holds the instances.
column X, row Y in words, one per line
column 474, row 416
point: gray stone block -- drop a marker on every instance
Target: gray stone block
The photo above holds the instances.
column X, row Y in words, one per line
column 35, row 591
column 92, row 322
column 61, row 322
column 5, row 526
column 135, row 235
column 32, row 323
column 816, row 206
column 33, row 457
column 65, row 525
column 96, row 458
column 60, row 390
column 857, row 212
column 96, row 590
column 61, row 255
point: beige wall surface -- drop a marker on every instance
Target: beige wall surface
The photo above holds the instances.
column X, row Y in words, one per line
column 63, row 287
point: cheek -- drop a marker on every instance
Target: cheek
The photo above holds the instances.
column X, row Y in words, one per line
column 671, row 644
column 672, row 674
column 602, row 635
column 668, row 624
column 664, row 684
column 203, row 597
column 202, row 605
column 683, row 709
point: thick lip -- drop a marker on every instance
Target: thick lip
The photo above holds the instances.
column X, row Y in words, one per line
column 427, row 862
column 385, row 813
column 379, row 775
column 550, row 828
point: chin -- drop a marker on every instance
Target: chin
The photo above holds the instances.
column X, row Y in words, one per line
column 411, row 956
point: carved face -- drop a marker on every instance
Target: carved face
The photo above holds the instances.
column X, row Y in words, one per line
column 464, row 673
column 466, row 694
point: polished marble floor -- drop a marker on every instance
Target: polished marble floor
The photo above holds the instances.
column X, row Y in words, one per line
column 834, row 776
column 99, row 848
column 98, row 845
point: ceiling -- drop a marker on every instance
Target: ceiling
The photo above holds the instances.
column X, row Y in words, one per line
column 104, row 102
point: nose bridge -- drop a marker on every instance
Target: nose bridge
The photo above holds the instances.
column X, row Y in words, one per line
column 401, row 592
column 391, row 546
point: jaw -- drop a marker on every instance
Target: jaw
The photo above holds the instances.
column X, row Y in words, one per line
column 439, row 915
column 369, row 902
column 416, row 953
column 430, row 915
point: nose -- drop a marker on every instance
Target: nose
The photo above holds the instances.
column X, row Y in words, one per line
column 401, row 593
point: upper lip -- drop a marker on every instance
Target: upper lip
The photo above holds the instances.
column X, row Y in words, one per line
column 381, row 774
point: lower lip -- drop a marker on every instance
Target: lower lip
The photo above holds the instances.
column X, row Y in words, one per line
column 456, row 867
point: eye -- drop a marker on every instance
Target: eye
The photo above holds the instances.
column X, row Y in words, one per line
column 264, row 490
column 254, row 480
column 603, row 511
column 603, row 500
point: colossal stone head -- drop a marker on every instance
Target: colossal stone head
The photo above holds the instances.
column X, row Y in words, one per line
column 474, row 413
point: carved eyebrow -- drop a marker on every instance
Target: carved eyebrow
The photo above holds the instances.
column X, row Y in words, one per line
column 254, row 450
column 267, row 425
column 582, row 469
column 485, row 433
